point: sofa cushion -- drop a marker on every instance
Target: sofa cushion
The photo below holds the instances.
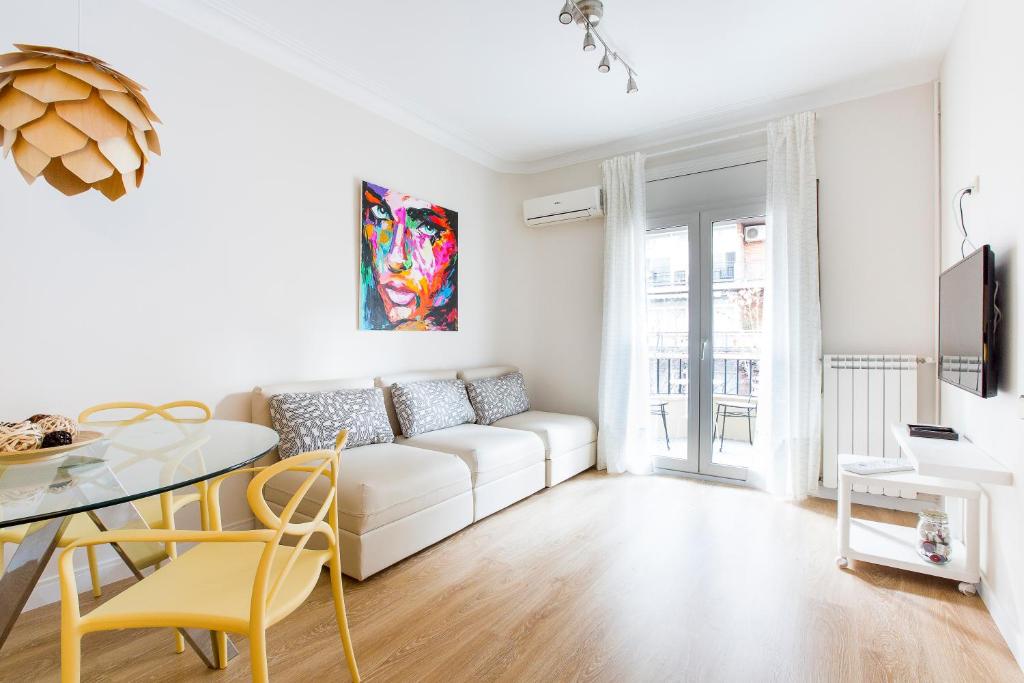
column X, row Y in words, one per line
column 496, row 397
column 261, row 395
column 487, row 371
column 386, row 381
column 379, row 484
column 311, row 420
column 490, row 452
column 560, row 433
column 431, row 405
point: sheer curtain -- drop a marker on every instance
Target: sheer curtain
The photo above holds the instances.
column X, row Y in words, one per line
column 623, row 409
column 791, row 378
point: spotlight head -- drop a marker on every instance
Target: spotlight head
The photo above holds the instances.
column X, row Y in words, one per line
column 588, row 42
column 565, row 16
column 605, row 64
column 631, row 85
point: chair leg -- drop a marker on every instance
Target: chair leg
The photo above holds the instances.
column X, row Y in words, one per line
column 221, row 640
column 664, row 426
column 70, row 656
column 714, row 426
column 167, row 513
column 750, row 429
column 94, row 571
column 339, row 611
column 258, row 656
column 721, row 434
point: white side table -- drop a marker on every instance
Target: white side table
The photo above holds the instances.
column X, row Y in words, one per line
column 896, row 546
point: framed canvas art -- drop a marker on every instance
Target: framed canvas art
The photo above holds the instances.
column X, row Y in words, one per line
column 409, row 263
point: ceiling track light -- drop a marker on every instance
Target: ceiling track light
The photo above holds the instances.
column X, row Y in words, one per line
column 567, row 13
column 588, row 13
column 588, row 42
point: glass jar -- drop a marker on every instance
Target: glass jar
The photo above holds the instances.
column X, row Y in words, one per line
column 934, row 542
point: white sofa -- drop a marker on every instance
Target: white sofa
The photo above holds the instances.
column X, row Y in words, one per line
column 570, row 441
column 393, row 499
column 506, row 465
column 396, row 499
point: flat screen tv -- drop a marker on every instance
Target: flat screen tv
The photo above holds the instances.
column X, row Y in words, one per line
column 967, row 322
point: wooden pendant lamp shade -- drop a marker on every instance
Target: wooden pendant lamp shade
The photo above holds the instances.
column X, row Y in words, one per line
column 73, row 120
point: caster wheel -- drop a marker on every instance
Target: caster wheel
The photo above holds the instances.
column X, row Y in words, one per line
column 842, row 562
column 967, row 588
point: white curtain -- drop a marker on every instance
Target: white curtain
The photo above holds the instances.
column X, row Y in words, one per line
column 791, row 404
column 623, row 388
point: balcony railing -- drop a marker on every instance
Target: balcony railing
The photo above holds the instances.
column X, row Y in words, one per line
column 669, row 375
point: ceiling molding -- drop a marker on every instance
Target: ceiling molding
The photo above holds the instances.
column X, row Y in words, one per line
column 227, row 23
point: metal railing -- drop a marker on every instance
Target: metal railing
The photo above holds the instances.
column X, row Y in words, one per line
column 669, row 375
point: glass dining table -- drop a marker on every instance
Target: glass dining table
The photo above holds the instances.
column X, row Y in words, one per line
column 102, row 479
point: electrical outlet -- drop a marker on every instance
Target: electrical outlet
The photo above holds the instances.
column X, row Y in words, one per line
column 975, row 186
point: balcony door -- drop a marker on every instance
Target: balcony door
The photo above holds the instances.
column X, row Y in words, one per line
column 705, row 296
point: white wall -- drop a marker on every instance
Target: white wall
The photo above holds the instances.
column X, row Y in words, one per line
column 982, row 97
column 877, row 237
column 235, row 264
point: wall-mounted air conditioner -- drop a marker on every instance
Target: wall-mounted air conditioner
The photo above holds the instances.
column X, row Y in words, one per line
column 577, row 205
column 753, row 233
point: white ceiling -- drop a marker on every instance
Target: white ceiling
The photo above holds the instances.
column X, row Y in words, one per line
column 509, row 86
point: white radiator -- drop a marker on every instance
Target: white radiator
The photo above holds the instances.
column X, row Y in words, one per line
column 863, row 396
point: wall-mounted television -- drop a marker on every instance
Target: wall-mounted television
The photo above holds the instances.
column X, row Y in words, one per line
column 967, row 324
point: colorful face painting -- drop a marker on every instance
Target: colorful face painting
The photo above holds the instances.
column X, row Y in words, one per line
column 408, row 263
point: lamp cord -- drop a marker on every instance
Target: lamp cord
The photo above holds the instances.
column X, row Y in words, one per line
column 958, row 206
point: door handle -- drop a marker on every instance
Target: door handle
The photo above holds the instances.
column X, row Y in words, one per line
column 703, row 349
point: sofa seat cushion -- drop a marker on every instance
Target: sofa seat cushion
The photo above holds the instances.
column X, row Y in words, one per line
column 490, row 452
column 379, row 484
column 560, row 433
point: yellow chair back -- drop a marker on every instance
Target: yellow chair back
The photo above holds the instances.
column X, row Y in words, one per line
column 315, row 464
column 146, row 410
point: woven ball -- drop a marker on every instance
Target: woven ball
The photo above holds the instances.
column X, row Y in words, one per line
column 23, row 436
column 57, row 438
column 75, row 121
column 55, row 423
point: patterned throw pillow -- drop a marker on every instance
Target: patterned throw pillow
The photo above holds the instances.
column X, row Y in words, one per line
column 496, row 397
column 310, row 421
column 431, row 405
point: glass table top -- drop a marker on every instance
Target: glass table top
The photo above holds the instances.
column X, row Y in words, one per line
column 131, row 461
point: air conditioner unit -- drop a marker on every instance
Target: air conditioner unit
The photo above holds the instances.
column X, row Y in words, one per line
column 753, row 233
column 577, row 205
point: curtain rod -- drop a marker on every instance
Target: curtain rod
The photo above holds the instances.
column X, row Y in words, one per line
column 728, row 138
column 708, row 170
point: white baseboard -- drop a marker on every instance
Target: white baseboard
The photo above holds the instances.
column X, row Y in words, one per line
column 1005, row 622
column 111, row 569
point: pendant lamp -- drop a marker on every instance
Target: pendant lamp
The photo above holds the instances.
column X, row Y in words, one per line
column 75, row 121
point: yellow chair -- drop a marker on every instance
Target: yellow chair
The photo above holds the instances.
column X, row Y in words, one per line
column 234, row 581
column 158, row 511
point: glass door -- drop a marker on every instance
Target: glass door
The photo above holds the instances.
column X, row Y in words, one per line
column 705, row 297
column 733, row 281
column 671, row 261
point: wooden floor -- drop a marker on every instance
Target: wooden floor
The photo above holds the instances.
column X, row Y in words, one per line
column 601, row 579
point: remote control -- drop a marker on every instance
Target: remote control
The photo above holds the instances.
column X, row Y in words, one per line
column 878, row 466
